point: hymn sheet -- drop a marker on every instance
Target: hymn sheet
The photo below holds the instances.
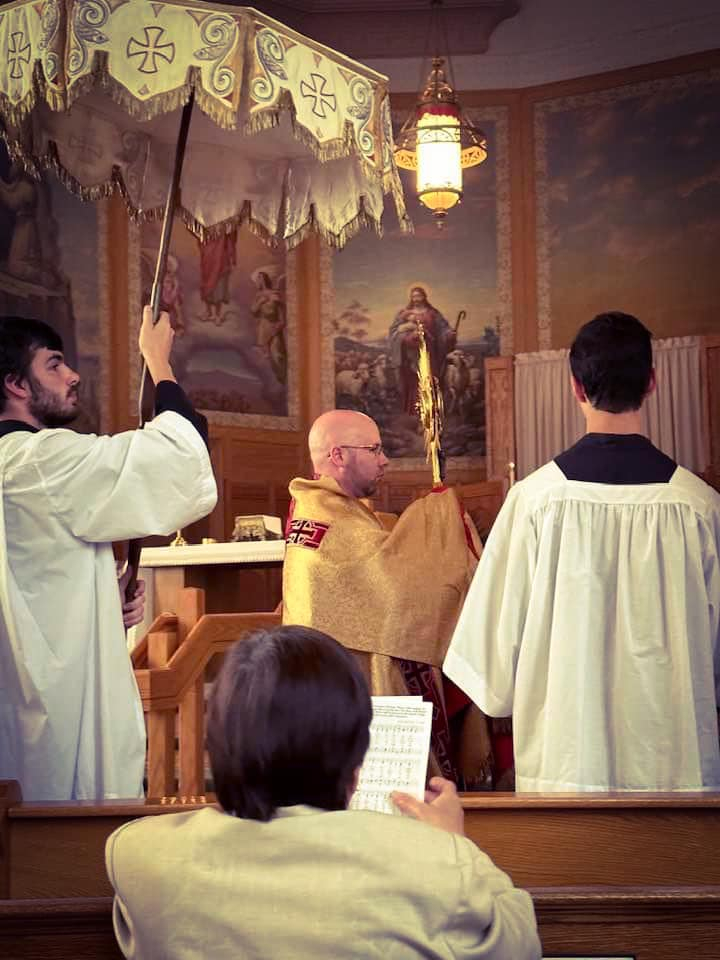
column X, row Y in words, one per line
column 397, row 757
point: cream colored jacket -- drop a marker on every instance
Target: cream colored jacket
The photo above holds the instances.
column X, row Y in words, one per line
column 311, row 884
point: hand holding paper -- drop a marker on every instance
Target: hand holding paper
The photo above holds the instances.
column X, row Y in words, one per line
column 441, row 807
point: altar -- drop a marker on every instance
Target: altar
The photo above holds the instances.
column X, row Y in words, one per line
column 236, row 578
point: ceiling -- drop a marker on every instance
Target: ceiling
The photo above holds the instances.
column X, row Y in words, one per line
column 503, row 44
column 368, row 29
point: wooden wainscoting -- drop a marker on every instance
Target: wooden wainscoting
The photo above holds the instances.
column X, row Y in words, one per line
column 400, row 487
column 710, row 384
column 500, row 416
column 253, row 469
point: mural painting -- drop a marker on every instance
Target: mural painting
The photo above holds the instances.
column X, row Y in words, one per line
column 232, row 310
column 454, row 281
column 628, row 184
column 52, row 268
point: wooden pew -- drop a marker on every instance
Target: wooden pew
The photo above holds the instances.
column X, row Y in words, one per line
column 57, row 850
column 67, row 929
column 649, row 923
column 630, row 875
column 584, row 922
column 621, row 839
column 626, row 840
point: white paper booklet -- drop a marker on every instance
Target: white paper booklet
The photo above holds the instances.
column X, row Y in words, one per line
column 397, row 757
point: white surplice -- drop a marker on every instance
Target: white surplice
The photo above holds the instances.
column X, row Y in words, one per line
column 594, row 619
column 71, row 724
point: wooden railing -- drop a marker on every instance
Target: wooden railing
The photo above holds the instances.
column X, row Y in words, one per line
column 170, row 667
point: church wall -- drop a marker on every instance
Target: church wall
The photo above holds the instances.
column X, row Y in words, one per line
column 604, row 194
column 654, row 255
column 623, row 191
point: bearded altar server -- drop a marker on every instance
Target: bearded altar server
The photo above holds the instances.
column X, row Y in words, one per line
column 594, row 614
column 71, row 723
column 390, row 595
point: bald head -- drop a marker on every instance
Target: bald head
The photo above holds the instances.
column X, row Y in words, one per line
column 339, row 442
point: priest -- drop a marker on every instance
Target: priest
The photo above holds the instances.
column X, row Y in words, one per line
column 390, row 591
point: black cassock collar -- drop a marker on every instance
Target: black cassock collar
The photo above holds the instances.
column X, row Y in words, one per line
column 12, row 426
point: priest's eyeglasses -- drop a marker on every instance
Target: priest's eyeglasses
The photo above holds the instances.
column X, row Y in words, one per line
column 375, row 448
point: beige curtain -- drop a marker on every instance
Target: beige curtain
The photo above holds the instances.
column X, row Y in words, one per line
column 548, row 419
column 547, row 416
column 673, row 413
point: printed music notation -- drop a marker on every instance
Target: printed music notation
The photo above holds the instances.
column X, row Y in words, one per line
column 397, row 757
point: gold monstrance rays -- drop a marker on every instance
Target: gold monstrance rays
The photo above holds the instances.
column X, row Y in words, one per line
column 430, row 410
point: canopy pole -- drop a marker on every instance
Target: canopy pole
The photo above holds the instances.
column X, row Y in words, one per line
column 145, row 406
column 146, row 397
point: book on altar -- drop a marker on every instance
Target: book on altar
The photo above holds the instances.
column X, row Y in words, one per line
column 397, row 758
column 257, row 527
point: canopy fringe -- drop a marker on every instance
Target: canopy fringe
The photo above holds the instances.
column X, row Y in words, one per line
column 336, row 238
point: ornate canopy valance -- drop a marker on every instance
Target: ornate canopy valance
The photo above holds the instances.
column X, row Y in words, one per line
column 290, row 136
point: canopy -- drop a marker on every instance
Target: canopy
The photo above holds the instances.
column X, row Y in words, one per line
column 290, row 136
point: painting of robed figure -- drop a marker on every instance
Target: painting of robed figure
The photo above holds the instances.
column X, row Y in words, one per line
column 52, row 268
column 229, row 305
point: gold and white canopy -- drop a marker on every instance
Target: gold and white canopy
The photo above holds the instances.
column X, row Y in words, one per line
column 289, row 137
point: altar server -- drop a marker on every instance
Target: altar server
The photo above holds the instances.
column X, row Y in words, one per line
column 71, row 723
column 594, row 614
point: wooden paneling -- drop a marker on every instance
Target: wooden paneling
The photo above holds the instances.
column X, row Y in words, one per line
column 256, row 470
column 400, row 488
column 61, row 857
column 710, row 384
column 482, row 501
column 58, row 850
column 500, row 414
column 610, row 874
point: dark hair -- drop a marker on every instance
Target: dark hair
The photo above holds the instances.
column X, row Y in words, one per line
column 288, row 723
column 19, row 339
column 611, row 359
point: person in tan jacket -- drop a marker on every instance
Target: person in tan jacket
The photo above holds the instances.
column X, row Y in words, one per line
column 282, row 869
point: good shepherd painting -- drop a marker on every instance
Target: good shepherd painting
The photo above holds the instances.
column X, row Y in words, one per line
column 455, row 282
